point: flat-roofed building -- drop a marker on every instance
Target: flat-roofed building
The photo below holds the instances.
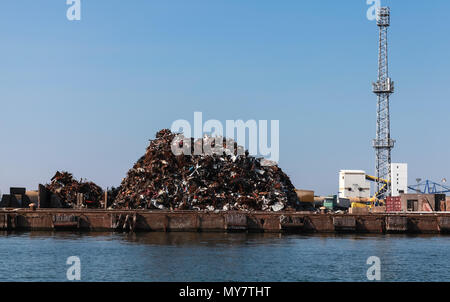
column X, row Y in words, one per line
column 353, row 184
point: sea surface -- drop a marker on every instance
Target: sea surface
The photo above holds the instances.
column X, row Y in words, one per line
column 42, row 256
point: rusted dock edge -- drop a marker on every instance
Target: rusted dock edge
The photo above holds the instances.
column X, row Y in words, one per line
column 192, row 221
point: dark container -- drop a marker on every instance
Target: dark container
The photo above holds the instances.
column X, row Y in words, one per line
column 6, row 201
column 17, row 191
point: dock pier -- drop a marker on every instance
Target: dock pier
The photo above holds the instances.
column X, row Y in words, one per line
column 197, row 221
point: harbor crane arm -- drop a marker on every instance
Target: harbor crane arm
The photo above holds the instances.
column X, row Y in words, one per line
column 378, row 180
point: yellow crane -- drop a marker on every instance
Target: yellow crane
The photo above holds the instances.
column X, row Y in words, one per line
column 374, row 199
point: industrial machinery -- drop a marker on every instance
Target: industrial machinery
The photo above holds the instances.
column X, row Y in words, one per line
column 429, row 187
column 374, row 200
column 383, row 88
column 377, row 180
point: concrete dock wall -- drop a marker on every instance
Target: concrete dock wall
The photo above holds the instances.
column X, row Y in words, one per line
column 191, row 221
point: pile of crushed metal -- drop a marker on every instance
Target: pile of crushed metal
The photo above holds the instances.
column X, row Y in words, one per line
column 65, row 190
column 222, row 181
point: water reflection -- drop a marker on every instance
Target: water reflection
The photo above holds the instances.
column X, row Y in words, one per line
column 209, row 238
column 109, row 256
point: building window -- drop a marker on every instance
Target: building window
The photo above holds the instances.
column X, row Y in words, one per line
column 413, row 205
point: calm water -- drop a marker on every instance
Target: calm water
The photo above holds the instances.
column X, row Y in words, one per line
column 41, row 256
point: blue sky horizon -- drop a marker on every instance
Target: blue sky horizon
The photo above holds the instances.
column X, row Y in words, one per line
column 86, row 96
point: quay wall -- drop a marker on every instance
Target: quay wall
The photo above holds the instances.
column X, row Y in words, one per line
column 193, row 221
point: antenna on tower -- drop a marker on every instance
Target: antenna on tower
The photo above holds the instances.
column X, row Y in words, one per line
column 383, row 88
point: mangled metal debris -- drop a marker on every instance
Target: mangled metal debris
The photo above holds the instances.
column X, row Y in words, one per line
column 225, row 180
column 66, row 192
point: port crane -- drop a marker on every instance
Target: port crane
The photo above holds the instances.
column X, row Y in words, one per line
column 374, row 200
column 381, row 189
column 429, row 187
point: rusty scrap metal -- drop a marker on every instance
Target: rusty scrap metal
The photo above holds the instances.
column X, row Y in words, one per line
column 65, row 192
column 222, row 181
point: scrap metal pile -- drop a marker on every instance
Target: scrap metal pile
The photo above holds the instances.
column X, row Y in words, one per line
column 66, row 188
column 225, row 181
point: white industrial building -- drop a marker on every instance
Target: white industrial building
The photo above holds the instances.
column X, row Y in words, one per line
column 353, row 184
column 399, row 176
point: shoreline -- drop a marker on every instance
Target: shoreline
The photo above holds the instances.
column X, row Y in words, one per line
column 231, row 221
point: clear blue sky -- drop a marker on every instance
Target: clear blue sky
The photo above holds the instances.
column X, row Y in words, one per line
column 86, row 96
